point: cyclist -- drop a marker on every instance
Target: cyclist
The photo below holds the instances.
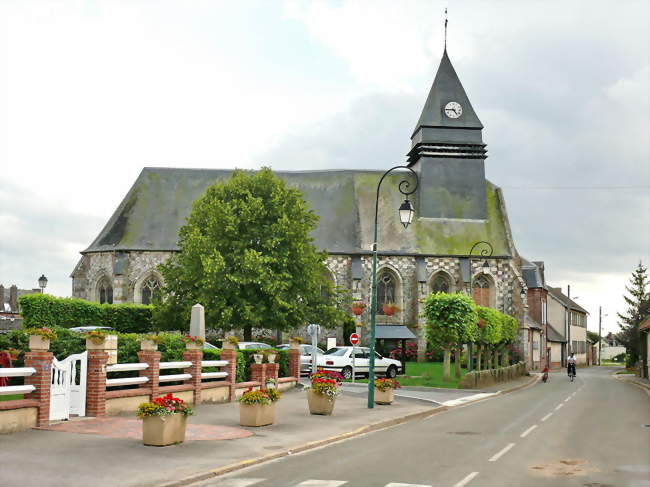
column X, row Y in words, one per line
column 571, row 366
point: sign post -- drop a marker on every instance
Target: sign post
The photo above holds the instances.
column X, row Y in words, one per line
column 354, row 339
column 313, row 331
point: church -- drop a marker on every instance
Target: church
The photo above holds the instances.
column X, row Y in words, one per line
column 455, row 208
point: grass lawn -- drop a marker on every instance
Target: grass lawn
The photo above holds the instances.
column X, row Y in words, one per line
column 430, row 375
column 11, row 397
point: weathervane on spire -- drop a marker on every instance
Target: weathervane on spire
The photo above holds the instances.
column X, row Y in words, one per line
column 445, row 28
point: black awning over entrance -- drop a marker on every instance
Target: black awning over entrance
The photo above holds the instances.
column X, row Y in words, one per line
column 393, row 332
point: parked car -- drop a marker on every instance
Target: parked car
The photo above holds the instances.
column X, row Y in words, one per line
column 305, row 355
column 84, row 329
column 339, row 359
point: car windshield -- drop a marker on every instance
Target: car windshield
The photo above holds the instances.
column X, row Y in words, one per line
column 339, row 352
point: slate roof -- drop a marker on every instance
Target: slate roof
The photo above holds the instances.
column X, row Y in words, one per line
column 157, row 205
column 557, row 293
column 553, row 335
column 532, row 274
column 447, row 87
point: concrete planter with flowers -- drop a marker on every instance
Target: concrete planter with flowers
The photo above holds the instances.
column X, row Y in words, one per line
column 164, row 421
column 321, row 396
column 257, row 407
column 193, row 342
column 39, row 338
column 385, row 390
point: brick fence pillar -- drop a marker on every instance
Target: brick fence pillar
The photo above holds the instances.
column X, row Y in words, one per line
column 258, row 374
column 96, row 383
column 195, row 356
column 294, row 363
column 41, row 360
column 230, row 355
column 272, row 371
column 151, row 357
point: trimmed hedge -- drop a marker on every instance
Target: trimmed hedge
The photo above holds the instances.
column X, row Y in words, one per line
column 44, row 310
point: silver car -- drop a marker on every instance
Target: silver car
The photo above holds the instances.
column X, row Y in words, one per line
column 305, row 355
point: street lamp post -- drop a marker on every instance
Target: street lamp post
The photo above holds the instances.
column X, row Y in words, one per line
column 42, row 282
column 406, row 217
column 484, row 252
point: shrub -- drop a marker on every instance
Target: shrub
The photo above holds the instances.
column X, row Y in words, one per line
column 282, row 358
column 44, row 310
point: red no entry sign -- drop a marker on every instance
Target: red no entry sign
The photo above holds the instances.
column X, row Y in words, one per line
column 354, row 338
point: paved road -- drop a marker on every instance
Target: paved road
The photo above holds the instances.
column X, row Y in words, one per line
column 589, row 433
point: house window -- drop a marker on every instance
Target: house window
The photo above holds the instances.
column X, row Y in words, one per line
column 544, row 317
column 481, row 290
column 150, row 290
column 440, row 284
column 385, row 290
column 105, row 291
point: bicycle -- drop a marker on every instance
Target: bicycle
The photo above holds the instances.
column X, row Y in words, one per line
column 572, row 372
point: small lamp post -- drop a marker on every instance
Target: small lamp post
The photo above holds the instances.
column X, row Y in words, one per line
column 486, row 251
column 406, row 213
column 42, row 282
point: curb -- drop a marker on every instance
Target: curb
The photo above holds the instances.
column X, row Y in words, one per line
column 643, row 385
column 304, row 447
column 332, row 439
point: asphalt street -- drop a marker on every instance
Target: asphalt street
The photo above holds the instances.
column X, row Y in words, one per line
column 594, row 432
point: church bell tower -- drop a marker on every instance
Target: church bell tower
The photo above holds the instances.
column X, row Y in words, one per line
column 448, row 153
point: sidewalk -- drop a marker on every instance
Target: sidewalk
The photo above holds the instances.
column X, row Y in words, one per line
column 55, row 458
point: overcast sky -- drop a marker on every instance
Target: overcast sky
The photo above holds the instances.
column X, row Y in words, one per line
column 93, row 91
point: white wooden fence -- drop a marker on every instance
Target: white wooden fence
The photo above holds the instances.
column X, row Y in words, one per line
column 16, row 372
column 127, row 381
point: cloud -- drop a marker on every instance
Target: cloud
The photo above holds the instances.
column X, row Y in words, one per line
column 40, row 237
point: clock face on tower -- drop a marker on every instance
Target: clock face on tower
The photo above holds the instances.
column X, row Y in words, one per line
column 453, row 109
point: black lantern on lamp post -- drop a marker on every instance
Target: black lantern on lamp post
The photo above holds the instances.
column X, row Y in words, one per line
column 406, row 213
column 42, row 282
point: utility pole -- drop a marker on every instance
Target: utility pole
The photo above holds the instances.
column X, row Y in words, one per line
column 600, row 330
column 568, row 321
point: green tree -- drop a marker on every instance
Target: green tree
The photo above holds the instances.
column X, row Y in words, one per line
column 450, row 318
column 247, row 255
column 638, row 307
column 489, row 335
column 509, row 329
column 592, row 337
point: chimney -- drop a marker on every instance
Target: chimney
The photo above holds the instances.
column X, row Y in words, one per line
column 13, row 298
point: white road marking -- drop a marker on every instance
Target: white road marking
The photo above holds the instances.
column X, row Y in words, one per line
column 466, row 480
column 394, row 484
column 501, row 453
column 558, row 406
column 568, row 398
column 547, row 416
column 234, row 483
column 321, row 483
column 466, row 399
column 526, row 433
column 573, row 394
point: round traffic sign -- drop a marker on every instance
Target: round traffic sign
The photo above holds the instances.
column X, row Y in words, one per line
column 354, row 338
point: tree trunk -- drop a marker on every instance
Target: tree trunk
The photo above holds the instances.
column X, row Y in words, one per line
column 505, row 359
column 248, row 333
column 457, row 357
column 495, row 364
column 479, row 354
column 446, row 366
column 488, row 358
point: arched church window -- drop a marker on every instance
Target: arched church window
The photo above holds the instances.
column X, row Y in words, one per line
column 105, row 291
column 481, row 290
column 385, row 290
column 150, row 290
column 440, row 284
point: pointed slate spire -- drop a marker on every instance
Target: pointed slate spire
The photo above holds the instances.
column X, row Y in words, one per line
column 447, row 88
